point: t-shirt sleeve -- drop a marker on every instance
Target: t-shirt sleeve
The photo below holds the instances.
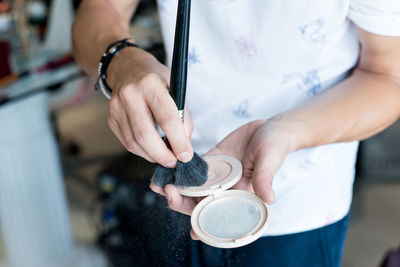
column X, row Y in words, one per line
column 381, row 17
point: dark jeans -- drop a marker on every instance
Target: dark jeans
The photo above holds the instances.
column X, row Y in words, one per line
column 322, row 247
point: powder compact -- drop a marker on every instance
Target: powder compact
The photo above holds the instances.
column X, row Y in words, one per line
column 226, row 218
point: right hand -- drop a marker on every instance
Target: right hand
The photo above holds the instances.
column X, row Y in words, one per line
column 140, row 95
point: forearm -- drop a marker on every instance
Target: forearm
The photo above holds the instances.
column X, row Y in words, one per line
column 97, row 24
column 357, row 108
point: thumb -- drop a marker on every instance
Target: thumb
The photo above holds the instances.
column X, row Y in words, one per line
column 265, row 166
column 262, row 180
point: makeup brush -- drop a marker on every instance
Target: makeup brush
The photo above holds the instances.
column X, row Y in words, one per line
column 194, row 172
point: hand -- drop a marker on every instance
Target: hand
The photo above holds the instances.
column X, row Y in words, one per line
column 140, row 92
column 261, row 146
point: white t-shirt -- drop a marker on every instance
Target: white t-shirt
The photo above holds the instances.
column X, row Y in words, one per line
column 252, row 59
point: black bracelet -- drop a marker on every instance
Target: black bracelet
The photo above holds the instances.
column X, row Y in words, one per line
column 105, row 61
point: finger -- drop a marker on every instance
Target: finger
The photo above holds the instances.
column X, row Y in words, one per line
column 119, row 124
column 262, row 180
column 165, row 112
column 157, row 189
column 193, row 235
column 116, row 130
column 188, row 124
column 113, row 113
column 144, row 131
column 131, row 144
column 178, row 202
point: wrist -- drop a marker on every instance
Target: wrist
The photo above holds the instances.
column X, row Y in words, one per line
column 118, row 64
column 105, row 61
column 130, row 64
column 292, row 132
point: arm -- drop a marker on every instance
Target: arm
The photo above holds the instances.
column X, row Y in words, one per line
column 98, row 24
column 362, row 105
column 139, row 82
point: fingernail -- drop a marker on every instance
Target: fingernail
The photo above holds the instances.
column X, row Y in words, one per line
column 270, row 199
column 171, row 164
column 184, row 157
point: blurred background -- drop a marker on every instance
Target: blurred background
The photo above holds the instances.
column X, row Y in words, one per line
column 70, row 195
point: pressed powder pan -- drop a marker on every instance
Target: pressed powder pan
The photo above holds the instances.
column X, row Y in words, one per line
column 226, row 218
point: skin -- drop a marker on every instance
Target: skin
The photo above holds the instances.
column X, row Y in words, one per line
column 360, row 106
column 139, row 82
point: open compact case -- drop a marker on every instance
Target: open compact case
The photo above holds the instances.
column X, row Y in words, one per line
column 226, row 218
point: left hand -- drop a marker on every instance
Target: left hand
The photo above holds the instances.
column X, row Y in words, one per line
column 261, row 146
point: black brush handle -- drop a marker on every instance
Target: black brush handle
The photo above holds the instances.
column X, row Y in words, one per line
column 180, row 55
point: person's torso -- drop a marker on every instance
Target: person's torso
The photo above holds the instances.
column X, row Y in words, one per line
column 252, row 59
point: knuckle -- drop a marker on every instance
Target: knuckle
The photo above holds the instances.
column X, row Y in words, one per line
column 141, row 134
column 125, row 93
column 110, row 121
column 150, row 80
column 157, row 99
column 113, row 105
column 131, row 146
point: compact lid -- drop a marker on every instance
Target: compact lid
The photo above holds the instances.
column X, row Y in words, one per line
column 223, row 173
column 231, row 219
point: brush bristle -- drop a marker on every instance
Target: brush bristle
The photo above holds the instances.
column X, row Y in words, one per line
column 192, row 173
column 163, row 176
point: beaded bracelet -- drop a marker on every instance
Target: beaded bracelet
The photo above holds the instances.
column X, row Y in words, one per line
column 105, row 61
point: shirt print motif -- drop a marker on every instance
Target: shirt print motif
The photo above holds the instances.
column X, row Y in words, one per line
column 246, row 47
column 306, row 164
column 313, row 32
column 193, row 57
column 308, row 81
column 241, row 110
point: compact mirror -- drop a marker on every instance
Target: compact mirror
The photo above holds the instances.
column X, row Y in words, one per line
column 226, row 218
column 217, row 217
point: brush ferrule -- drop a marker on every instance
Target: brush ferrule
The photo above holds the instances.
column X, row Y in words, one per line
column 181, row 114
